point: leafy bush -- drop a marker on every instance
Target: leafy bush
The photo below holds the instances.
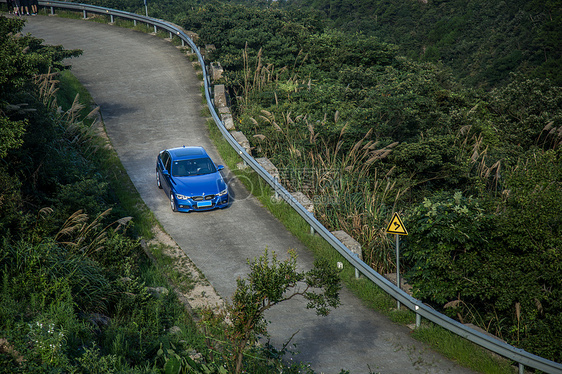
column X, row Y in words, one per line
column 447, row 249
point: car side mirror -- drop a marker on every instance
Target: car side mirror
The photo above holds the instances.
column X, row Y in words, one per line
column 165, row 172
column 220, row 167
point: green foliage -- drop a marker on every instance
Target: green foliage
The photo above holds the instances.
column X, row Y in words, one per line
column 482, row 42
column 432, row 162
column 447, row 248
column 529, row 113
column 269, row 283
column 11, row 133
column 529, row 231
column 377, row 132
column 462, row 351
column 71, row 281
column 21, row 58
column 232, row 28
column 176, row 364
column 48, row 341
column 501, row 270
column 347, row 91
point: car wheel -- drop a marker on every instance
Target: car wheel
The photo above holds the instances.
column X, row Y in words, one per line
column 173, row 203
column 158, row 183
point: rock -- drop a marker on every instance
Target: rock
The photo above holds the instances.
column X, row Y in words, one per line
column 157, row 291
column 216, row 71
column 228, row 122
column 242, row 166
column 242, row 140
column 351, row 244
column 404, row 285
column 268, row 166
column 220, row 96
column 304, row 201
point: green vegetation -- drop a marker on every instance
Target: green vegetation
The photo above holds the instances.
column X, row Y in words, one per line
column 462, row 351
column 350, row 121
column 75, row 293
column 482, row 42
column 269, row 283
column 79, row 293
column 447, row 112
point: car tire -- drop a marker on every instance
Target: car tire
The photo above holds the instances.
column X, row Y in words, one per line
column 158, row 183
column 173, row 203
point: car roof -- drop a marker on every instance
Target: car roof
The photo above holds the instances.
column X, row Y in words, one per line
column 187, row 152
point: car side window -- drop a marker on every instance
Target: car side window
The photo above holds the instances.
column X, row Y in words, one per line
column 166, row 161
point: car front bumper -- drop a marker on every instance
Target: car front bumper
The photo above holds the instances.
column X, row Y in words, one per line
column 189, row 205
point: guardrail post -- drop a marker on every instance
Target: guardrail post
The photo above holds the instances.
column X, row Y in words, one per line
column 52, row 11
column 112, row 20
column 303, row 200
column 155, row 30
column 277, row 197
column 170, row 34
column 352, row 244
column 521, row 368
column 84, row 11
column 135, row 22
column 418, row 317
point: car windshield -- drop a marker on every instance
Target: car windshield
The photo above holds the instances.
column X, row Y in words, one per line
column 188, row 168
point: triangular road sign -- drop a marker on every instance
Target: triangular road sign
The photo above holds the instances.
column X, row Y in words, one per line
column 396, row 226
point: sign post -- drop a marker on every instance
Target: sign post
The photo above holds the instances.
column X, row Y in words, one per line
column 397, row 228
column 146, row 7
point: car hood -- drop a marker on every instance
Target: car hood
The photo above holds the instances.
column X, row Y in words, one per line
column 198, row 185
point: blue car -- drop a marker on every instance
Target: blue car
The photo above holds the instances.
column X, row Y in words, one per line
column 191, row 179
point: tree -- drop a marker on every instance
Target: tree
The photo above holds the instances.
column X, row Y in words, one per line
column 270, row 283
column 21, row 59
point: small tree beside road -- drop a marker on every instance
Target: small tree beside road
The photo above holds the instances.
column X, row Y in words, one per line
column 271, row 282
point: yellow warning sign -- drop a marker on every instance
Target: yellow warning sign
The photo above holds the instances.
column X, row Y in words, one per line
column 396, row 226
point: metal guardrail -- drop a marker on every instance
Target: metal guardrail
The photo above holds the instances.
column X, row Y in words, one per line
column 520, row 356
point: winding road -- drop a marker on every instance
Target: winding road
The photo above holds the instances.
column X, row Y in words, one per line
column 150, row 99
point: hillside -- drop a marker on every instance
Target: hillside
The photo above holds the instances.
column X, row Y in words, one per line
column 481, row 41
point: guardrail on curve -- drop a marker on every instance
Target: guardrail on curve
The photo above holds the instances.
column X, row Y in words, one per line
column 520, row 356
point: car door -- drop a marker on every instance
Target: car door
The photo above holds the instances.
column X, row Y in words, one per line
column 165, row 177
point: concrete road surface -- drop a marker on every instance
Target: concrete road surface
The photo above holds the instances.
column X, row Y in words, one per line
column 150, row 100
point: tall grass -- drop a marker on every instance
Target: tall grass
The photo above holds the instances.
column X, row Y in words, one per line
column 72, row 93
column 350, row 191
column 365, row 289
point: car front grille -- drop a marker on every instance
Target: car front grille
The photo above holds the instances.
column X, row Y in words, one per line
column 201, row 198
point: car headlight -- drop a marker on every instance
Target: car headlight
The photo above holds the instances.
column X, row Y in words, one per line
column 182, row 197
column 223, row 192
